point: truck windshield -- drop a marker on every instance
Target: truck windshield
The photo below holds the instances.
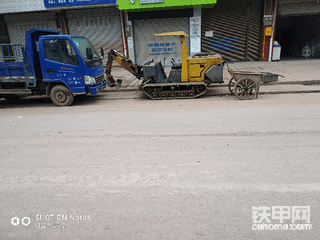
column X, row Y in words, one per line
column 82, row 44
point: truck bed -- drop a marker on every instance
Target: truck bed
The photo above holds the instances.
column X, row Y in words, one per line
column 13, row 65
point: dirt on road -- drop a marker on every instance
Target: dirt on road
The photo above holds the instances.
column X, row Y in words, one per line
column 178, row 169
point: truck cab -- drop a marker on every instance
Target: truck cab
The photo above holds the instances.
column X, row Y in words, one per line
column 61, row 66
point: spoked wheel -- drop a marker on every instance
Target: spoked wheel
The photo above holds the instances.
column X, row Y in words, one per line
column 231, row 84
column 246, row 88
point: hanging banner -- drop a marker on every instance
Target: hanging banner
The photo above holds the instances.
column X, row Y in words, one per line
column 195, row 34
column 66, row 3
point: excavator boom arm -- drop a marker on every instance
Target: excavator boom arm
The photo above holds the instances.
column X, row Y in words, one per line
column 124, row 62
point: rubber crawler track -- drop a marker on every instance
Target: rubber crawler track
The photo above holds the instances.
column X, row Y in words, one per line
column 157, row 91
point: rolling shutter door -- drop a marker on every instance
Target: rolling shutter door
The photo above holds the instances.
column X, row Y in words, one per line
column 18, row 24
column 228, row 22
column 147, row 46
column 100, row 25
column 4, row 38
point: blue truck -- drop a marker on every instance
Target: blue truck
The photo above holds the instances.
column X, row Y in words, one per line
column 61, row 66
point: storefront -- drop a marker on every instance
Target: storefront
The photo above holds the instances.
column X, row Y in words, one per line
column 18, row 16
column 298, row 28
column 233, row 29
column 17, row 24
column 4, row 37
column 97, row 20
column 100, row 25
column 164, row 49
column 145, row 18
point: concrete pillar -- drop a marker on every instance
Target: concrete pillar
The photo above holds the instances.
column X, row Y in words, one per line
column 129, row 32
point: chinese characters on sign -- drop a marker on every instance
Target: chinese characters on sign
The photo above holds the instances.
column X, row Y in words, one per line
column 220, row 44
column 59, row 3
column 150, row 1
column 195, row 33
column 161, row 48
column 298, row 218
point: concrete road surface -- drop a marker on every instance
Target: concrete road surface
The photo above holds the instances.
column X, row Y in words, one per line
column 208, row 168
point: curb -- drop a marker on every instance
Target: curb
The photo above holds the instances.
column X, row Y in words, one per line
column 303, row 82
column 212, row 95
column 268, row 93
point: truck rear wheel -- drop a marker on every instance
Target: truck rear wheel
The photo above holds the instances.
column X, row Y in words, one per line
column 61, row 96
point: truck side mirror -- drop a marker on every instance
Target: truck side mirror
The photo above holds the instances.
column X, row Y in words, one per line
column 102, row 52
column 89, row 53
column 54, row 40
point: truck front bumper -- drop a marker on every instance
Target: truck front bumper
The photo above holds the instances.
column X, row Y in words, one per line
column 97, row 89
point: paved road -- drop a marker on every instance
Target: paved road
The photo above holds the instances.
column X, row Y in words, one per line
column 142, row 169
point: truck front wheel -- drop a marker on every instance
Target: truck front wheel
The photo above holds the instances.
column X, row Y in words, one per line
column 61, row 96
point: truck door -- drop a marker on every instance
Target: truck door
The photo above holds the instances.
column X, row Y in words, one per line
column 60, row 63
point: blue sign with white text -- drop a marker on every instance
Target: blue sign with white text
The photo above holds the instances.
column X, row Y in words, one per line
column 66, row 3
column 161, row 48
column 221, row 44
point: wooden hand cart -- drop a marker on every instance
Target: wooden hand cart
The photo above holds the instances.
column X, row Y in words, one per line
column 245, row 85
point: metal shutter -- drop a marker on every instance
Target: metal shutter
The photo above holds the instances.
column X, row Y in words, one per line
column 17, row 24
column 4, row 38
column 228, row 21
column 147, row 46
column 100, row 25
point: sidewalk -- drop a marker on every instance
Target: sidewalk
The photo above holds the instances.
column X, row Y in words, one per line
column 299, row 76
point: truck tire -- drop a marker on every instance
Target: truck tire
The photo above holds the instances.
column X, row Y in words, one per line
column 11, row 97
column 61, row 96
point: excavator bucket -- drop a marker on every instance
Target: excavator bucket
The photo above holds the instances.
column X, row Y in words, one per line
column 177, row 33
column 110, row 81
column 124, row 62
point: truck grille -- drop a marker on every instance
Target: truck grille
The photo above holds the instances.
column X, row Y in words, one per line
column 100, row 79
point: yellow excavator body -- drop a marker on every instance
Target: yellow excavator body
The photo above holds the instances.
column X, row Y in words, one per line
column 193, row 68
column 189, row 79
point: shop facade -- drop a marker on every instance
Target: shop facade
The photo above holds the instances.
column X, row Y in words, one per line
column 149, row 47
column 239, row 30
column 146, row 18
column 298, row 28
column 97, row 20
column 293, row 27
column 233, row 29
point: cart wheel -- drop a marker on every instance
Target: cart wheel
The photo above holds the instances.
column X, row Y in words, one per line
column 246, row 88
column 231, row 84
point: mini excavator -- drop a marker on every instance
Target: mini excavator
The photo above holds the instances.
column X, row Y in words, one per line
column 188, row 79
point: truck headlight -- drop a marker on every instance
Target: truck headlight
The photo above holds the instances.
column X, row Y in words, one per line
column 89, row 80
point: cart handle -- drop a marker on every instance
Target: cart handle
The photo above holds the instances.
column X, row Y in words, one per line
column 227, row 63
